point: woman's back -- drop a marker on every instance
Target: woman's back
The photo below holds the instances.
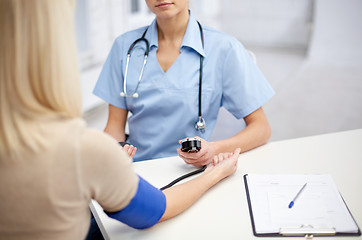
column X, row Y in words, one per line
column 45, row 195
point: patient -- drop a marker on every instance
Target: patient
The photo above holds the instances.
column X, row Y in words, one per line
column 51, row 165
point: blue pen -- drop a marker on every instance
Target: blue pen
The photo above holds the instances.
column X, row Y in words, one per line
column 296, row 196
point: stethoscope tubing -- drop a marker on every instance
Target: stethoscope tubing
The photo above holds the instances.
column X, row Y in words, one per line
column 201, row 68
column 200, row 124
column 135, row 94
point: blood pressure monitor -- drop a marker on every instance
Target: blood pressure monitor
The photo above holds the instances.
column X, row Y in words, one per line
column 191, row 145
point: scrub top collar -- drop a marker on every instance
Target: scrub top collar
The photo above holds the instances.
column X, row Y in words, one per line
column 152, row 35
column 192, row 38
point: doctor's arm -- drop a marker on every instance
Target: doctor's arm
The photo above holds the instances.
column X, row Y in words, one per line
column 256, row 133
column 116, row 125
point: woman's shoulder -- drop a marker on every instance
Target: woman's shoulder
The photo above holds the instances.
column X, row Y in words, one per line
column 92, row 141
column 96, row 140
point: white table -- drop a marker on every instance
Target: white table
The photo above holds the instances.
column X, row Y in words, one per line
column 222, row 213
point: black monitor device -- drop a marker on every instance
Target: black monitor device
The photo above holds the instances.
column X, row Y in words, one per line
column 191, row 145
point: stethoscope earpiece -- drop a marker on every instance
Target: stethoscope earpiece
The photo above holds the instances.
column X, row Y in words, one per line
column 134, row 95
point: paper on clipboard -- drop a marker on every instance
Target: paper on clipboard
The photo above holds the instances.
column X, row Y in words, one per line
column 320, row 205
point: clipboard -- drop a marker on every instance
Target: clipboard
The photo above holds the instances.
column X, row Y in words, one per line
column 268, row 197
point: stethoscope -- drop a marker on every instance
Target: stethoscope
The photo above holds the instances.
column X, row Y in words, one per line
column 200, row 124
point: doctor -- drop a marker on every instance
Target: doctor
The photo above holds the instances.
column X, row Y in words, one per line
column 174, row 82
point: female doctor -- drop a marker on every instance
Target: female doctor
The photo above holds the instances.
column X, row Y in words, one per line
column 178, row 75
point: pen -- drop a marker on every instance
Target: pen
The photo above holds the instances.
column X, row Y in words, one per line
column 296, row 196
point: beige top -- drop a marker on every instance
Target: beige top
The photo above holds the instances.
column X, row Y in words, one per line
column 46, row 195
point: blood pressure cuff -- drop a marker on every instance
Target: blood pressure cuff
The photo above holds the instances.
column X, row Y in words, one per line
column 145, row 209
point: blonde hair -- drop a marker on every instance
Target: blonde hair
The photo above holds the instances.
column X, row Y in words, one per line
column 39, row 75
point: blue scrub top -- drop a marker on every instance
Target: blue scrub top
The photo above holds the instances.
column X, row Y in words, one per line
column 167, row 107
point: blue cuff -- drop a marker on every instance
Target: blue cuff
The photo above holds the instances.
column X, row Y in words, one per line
column 145, row 209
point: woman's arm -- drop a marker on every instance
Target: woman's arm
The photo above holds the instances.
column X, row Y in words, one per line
column 256, row 133
column 181, row 197
column 150, row 205
column 115, row 127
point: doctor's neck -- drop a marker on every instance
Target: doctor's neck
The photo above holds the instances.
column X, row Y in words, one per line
column 173, row 28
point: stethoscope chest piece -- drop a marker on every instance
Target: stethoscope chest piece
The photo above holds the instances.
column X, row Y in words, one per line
column 200, row 125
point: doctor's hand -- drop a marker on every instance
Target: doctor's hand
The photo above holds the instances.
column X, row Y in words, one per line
column 200, row 158
column 130, row 150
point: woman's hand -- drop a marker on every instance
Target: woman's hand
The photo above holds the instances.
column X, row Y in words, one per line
column 226, row 163
column 200, row 158
column 130, row 150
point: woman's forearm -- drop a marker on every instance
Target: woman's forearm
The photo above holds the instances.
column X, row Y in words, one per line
column 181, row 197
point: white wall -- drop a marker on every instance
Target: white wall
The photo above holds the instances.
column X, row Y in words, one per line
column 268, row 23
column 98, row 23
column 207, row 12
